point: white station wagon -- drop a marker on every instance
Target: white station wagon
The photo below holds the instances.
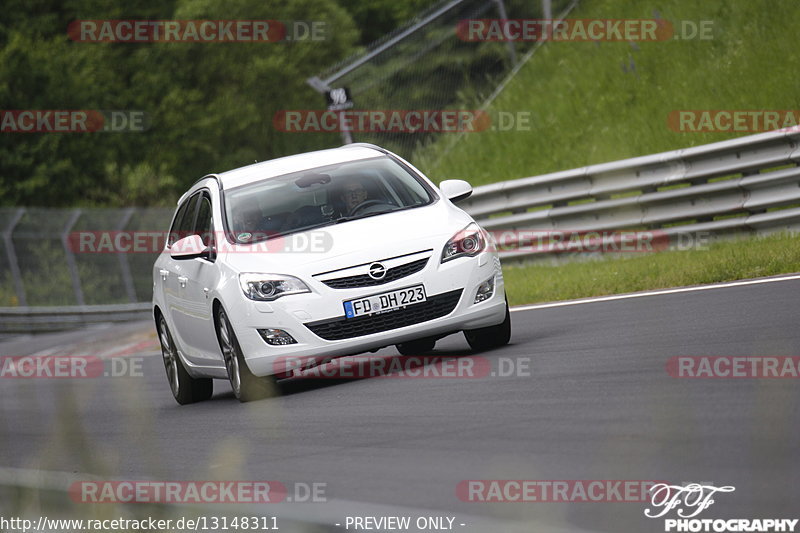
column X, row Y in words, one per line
column 317, row 256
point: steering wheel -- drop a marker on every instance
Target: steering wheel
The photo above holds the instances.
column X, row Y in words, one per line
column 364, row 205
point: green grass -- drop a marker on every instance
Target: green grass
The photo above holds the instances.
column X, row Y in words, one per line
column 721, row 261
column 597, row 102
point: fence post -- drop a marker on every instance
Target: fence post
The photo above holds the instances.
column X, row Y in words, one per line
column 547, row 9
column 501, row 9
column 71, row 264
column 13, row 264
column 124, row 266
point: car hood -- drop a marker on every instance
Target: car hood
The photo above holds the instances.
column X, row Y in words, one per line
column 352, row 243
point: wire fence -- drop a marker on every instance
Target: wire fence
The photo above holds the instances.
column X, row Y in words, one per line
column 42, row 262
column 423, row 65
column 427, row 65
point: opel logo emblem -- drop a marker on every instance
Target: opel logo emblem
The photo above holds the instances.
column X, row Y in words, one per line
column 377, row 271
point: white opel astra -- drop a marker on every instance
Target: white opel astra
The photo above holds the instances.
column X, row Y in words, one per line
column 316, row 256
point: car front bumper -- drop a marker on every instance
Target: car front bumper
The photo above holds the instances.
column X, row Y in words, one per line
column 295, row 313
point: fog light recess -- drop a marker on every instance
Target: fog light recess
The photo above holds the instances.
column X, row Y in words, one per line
column 276, row 337
column 485, row 290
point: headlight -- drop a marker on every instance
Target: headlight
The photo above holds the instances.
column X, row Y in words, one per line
column 268, row 287
column 469, row 242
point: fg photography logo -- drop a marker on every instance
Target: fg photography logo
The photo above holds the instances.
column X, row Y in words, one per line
column 689, row 500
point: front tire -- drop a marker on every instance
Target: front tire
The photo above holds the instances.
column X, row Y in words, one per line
column 491, row 337
column 185, row 389
column 247, row 387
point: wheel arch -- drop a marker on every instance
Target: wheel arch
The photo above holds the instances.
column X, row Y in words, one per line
column 216, row 305
column 157, row 313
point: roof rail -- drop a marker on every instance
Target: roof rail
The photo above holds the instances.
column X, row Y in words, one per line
column 367, row 145
column 207, row 176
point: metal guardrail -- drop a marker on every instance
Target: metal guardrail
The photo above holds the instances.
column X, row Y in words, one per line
column 44, row 319
column 745, row 185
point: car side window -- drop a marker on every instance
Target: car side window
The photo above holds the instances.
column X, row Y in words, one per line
column 204, row 226
column 184, row 220
column 173, row 231
column 187, row 224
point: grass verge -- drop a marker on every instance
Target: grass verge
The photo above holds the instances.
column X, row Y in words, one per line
column 593, row 102
column 722, row 261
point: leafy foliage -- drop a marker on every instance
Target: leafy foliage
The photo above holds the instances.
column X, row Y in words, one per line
column 210, row 105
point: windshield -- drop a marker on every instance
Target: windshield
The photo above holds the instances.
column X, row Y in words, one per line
column 321, row 196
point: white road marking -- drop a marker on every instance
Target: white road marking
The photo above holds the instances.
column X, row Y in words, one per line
column 655, row 293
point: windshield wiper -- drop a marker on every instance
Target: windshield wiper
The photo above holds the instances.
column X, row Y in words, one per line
column 366, row 215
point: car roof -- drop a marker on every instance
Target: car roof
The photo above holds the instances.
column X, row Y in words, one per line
column 296, row 163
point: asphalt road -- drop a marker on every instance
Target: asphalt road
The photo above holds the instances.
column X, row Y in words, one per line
column 597, row 404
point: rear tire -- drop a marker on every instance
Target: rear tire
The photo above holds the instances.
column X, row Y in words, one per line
column 185, row 389
column 491, row 337
column 247, row 387
column 416, row 347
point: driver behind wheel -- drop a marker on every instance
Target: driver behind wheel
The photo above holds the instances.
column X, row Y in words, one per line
column 353, row 195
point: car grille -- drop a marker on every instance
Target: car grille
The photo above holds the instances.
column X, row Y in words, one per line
column 364, row 280
column 347, row 328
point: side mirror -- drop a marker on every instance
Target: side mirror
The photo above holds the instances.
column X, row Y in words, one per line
column 455, row 190
column 190, row 247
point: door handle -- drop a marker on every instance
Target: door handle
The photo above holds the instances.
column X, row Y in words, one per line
column 164, row 273
column 182, row 280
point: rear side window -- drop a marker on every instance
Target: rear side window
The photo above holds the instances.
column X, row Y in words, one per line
column 184, row 220
column 204, row 227
column 173, row 231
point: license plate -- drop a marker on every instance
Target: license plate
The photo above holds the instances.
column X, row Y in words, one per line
column 386, row 301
